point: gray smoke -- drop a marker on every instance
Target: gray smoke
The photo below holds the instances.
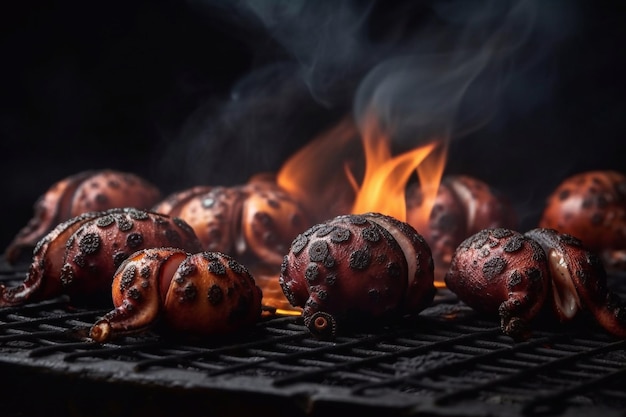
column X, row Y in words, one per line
column 439, row 67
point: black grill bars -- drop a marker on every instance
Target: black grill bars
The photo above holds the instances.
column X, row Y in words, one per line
column 447, row 361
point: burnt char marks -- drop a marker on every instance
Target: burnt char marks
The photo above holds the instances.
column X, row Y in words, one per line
column 90, row 243
column 370, row 234
column 105, row 221
column 253, row 222
column 103, row 242
column 86, row 193
column 514, row 244
column 538, row 254
column 215, row 267
column 299, row 243
column 360, row 259
column 515, row 279
column 188, row 293
column 500, row 271
column 215, row 295
column 318, row 251
column 340, row 235
column 128, row 277
column 196, row 294
column 494, row 267
column 311, row 272
column 124, row 223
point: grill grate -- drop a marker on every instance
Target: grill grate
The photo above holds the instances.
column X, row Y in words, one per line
column 446, row 361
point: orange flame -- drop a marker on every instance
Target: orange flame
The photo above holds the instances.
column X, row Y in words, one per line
column 316, row 176
column 386, row 177
column 429, row 173
column 274, row 300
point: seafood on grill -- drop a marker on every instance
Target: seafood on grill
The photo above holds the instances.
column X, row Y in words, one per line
column 463, row 206
column 591, row 206
column 579, row 281
column 356, row 268
column 254, row 222
column 172, row 204
column 79, row 257
column 200, row 294
column 517, row 276
column 500, row 271
column 87, row 191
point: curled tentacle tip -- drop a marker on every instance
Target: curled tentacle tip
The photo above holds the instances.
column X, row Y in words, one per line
column 100, row 332
column 517, row 328
column 322, row 325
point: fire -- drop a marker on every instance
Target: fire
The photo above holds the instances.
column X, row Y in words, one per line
column 274, row 301
column 386, row 176
column 336, row 173
column 323, row 174
column 316, row 174
column 429, row 173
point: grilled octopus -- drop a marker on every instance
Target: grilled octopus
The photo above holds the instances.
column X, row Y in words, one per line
column 87, row 191
column 79, row 257
column 201, row 294
column 254, row 222
column 592, row 206
column 579, row 281
column 463, row 206
column 501, row 271
column 357, row 268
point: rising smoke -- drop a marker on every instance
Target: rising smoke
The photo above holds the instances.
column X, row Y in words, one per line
column 471, row 72
column 425, row 68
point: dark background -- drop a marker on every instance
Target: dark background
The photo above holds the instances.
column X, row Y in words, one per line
column 184, row 93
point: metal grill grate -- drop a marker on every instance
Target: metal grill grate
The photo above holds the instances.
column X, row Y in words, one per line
column 447, row 361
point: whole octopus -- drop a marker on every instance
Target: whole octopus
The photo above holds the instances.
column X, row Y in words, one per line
column 501, row 271
column 591, row 205
column 254, row 222
column 79, row 257
column 357, row 268
column 200, row 294
column 77, row 194
column 463, row 205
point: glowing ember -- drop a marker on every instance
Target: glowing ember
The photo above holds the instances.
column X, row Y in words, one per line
column 274, row 300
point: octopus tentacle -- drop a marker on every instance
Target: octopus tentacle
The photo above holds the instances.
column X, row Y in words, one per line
column 579, row 281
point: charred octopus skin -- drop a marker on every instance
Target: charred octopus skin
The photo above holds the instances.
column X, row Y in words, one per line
column 357, row 267
column 501, row 271
column 271, row 218
column 203, row 294
column 254, row 222
column 579, row 281
column 215, row 217
column 88, row 191
column 42, row 280
column 174, row 202
column 591, row 206
column 463, row 206
column 80, row 256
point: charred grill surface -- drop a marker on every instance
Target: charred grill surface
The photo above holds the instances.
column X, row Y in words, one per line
column 446, row 361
